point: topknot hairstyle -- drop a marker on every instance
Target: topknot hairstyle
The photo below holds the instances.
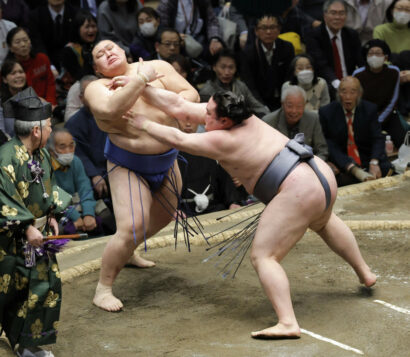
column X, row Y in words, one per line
column 231, row 106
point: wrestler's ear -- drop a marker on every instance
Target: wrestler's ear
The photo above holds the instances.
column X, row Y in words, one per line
column 226, row 122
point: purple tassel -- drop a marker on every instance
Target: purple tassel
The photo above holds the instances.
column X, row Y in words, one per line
column 54, row 246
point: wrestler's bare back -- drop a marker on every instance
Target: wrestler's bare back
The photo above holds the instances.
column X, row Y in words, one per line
column 124, row 135
column 251, row 146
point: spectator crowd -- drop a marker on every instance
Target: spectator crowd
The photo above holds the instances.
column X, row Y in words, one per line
column 338, row 71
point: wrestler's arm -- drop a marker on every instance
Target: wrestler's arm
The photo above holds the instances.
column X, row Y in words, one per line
column 106, row 103
column 174, row 82
column 175, row 105
column 210, row 144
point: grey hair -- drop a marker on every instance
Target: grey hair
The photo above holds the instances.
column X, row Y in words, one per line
column 52, row 138
column 23, row 128
column 328, row 3
column 293, row 90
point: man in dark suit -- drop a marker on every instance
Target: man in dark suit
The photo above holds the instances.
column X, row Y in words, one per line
column 335, row 48
column 50, row 26
column 265, row 63
column 353, row 135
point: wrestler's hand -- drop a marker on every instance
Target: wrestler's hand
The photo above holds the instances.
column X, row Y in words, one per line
column 136, row 120
column 148, row 71
column 100, row 186
column 89, row 223
column 34, row 236
column 117, row 82
column 180, row 214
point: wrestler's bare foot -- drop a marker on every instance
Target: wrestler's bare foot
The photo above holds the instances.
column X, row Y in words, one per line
column 279, row 331
column 105, row 300
column 140, row 262
column 368, row 279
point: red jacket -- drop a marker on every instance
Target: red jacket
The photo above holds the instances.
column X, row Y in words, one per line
column 40, row 77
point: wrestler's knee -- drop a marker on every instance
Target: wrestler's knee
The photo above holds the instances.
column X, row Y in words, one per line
column 131, row 232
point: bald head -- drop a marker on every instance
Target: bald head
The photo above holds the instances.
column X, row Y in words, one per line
column 349, row 92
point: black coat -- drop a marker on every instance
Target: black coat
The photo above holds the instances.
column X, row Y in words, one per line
column 319, row 46
column 43, row 35
column 264, row 80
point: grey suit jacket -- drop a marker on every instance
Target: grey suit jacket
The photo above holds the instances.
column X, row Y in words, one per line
column 309, row 125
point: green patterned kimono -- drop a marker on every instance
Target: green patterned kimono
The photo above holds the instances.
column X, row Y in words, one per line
column 30, row 298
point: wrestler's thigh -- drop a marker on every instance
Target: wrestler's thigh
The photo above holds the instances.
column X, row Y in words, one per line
column 165, row 201
column 126, row 187
column 281, row 226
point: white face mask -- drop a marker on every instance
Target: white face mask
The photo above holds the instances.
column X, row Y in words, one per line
column 65, row 159
column 401, row 17
column 375, row 61
column 305, row 76
column 148, row 29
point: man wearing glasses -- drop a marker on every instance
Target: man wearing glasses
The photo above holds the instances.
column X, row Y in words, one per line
column 335, row 48
column 168, row 44
column 265, row 63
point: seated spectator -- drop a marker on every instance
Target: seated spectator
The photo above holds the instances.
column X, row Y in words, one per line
column 364, row 15
column 403, row 62
column 90, row 142
column 195, row 18
column 181, row 65
column 143, row 44
column 168, row 43
column 36, row 65
column 303, row 74
column 377, row 75
column 77, row 58
column 206, row 186
column 396, row 32
column 50, row 26
column 15, row 11
column 293, row 118
column 73, row 101
column 353, row 134
column 225, row 66
column 334, row 47
column 70, row 176
column 265, row 63
column 117, row 21
column 13, row 81
column 5, row 27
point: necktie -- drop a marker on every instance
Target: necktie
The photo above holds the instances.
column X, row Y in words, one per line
column 336, row 59
column 57, row 26
column 351, row 145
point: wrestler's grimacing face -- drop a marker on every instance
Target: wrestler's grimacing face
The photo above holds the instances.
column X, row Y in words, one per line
column 108, row 58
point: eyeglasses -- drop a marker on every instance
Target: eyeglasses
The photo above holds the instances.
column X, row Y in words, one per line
column 266, row 28
column 171, row 44
column 378, row 54
column 337, row 13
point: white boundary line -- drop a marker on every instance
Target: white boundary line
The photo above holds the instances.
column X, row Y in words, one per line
column 333, row 342
column 394, row 307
